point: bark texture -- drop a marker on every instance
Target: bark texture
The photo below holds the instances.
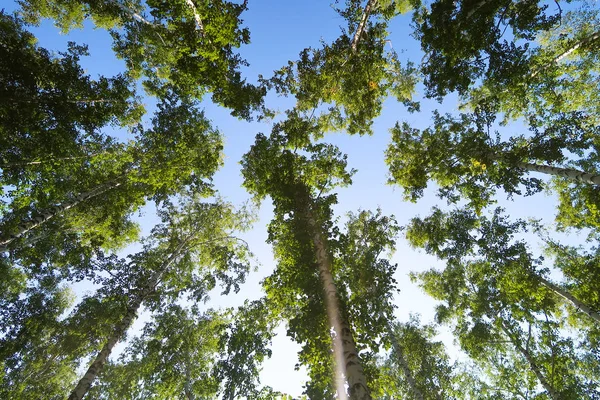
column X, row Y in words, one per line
column 569, row 173
column 199, row 24
column 571, row 299
column 363, row 22
column 346, row 355
column 94, row 369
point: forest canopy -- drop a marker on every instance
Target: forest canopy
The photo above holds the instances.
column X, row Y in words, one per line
column 407, row 190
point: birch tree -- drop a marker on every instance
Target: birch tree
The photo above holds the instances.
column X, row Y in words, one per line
column 98, row 202
column 52, row 108
column 184, row 257
column 32, row 363
column 170, row 49
column 468, row 161
column 418, row 366
column 559, row 75
column 173, row 357
column 299, row 232
column 464, row 41
column 497, row 295
column 346, row 86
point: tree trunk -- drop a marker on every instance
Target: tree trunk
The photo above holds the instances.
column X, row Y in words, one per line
column 361, row 26
column 586, row 40
column 532, row 364
column 404, row 365
column 475, row 8
column 345, row 353
column 199, row 24
column 132, row 13
column 571, row 299
column 569, row 173
column 25, row 227
column 187, row 386
column 95, row 368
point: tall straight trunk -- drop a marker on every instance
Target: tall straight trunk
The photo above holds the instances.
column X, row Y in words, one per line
column 25, row 227
column 361, row 25
column 187, row 386
column 569, row 173
column 95, row 368
column 344, row 347
column 571, row 299
column 404, row 365
column 532, row 364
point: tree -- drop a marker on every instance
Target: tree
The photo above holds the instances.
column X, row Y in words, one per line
column 579, row 288
column 177, row 155
column 32, row 363
column 492, row 287
column 299, row 230
column 559, row 76
column 53, row 110
column 464, row 41
column 187, row 47
column 467, row 161
column 417, row 367
column 185, row 255
column 172, row 358
column 243, row 347
column 345, row 83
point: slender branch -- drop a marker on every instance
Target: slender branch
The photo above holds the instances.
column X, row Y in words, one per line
column 532, row 364
column 132, row 13
column 580, row 306
column 24, row 163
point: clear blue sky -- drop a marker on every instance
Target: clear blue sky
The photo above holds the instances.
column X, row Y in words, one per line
column 279, row 31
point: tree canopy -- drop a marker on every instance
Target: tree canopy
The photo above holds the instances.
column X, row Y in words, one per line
column 127, row 253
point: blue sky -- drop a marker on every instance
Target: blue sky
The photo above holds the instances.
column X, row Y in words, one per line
column 279, row 31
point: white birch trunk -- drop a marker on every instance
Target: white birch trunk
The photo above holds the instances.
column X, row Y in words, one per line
column 132, row 13
column 346, row 356
column 571, row 299
column 532, row 364
column 363, row 22
column 25, row 227
column 95, row 368
column 587, row 40
column 569, row 173
column 403, row 364
column 476, row 8
column 199, row 24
